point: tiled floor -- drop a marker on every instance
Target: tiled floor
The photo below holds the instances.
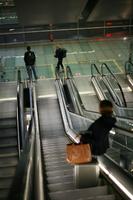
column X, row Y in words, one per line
column 80, row 55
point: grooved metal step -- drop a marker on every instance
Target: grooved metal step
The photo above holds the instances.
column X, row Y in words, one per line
column 61, row 187
column 57, row 168
column 75, row 194
column 58, row 179
column 60, row 173
column 8, row 142
column 7, row 172
column 7, row 121
column 8, row 161
column 5, row 183
column 105, row 197
column 5, row 133
column 12, row 151
column 3, row 194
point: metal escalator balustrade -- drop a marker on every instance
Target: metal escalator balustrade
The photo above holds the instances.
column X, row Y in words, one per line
column 58, row 173
column 123, row 122
column 112, row 83
column 77, row 119
column 104, row 91
column 118, row 137
column 129, row 72
column 10, row 143
column 28, row 180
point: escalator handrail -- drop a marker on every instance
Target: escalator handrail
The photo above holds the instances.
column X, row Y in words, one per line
column 29, row 170
column 69, row 72
column 94, row 112
column 126, row 66
column 20, row 114
column 93, row 65
column 104, row 65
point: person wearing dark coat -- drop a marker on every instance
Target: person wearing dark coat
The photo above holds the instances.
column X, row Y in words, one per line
column 98, row 133
column 30, row 59
column 60, row 53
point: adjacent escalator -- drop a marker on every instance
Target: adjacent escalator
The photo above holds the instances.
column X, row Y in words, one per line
column 54, row 137
column 10, row 146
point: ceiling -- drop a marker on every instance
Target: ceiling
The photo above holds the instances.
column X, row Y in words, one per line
column 112, row 10
column 31, row 12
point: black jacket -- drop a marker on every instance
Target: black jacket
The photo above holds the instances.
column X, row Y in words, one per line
column 29, row 58
column 60, row 53
column 97, row 134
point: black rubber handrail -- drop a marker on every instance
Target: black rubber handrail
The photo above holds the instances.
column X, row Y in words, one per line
column 69, row 72
column 104, row 65
column 93, row 66
column 20, row 116
column 126, row 67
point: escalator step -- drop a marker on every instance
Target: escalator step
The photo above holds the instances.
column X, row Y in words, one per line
column 8, row 142
column 11, row 151
column 7, row 172
column 49, row 158
column 58, row 179
column 75, row 194
column 8, row 161
column 59, row 173
column 58, row 162
column 3, row 194
column 59, row 167
column 105, row 197
column 5, row 133
column 61, row 187
column 5, row 183
column 54, row 154
column 6, row 126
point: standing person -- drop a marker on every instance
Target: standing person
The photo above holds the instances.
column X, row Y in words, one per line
column 30, row 58
column 60, row 53
column 97, row 134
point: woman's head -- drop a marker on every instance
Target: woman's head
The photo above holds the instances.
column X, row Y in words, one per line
column 106, row 107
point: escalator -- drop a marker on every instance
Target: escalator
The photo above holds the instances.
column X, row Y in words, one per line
column 121, row 146
column 54, row 119
column 129, row 72
column 105, row 90
column 59, row 174
column 8, row 154
column 9, row 142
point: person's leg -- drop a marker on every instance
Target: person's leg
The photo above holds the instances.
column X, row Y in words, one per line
column 34, row 71
column 29, row 71
column 58, row 65
column 61, row 64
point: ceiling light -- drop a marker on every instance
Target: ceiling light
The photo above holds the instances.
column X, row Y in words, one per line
column 11, row 29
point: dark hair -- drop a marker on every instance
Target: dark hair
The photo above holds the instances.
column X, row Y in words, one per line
column 106, row 107
column 28, row 48
column 106, row 103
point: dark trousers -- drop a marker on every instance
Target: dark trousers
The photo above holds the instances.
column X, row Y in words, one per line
column 60, row 64
column 30, row 70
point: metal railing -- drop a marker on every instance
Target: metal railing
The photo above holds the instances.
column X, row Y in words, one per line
column 20, row 114
column 28, row 181
column 105, row 66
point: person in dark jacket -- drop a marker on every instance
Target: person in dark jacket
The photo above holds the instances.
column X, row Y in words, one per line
column 60, row 53
column 97, row 134
column 30, row 59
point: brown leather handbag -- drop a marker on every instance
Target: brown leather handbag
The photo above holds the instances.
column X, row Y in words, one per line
column 78, row 153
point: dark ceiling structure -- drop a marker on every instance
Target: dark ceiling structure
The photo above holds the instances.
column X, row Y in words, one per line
column 49, row 11
column 111, row 10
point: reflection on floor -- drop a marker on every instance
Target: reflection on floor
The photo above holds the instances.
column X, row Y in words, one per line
column 81, row 53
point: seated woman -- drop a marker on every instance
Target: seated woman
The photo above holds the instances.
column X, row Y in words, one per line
column 97, row 134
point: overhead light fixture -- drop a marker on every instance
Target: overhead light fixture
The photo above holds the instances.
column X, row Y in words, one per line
column 11, row 29
column 125, row 38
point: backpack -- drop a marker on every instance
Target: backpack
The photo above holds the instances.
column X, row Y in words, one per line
column 64, row 51
column 30, row 58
